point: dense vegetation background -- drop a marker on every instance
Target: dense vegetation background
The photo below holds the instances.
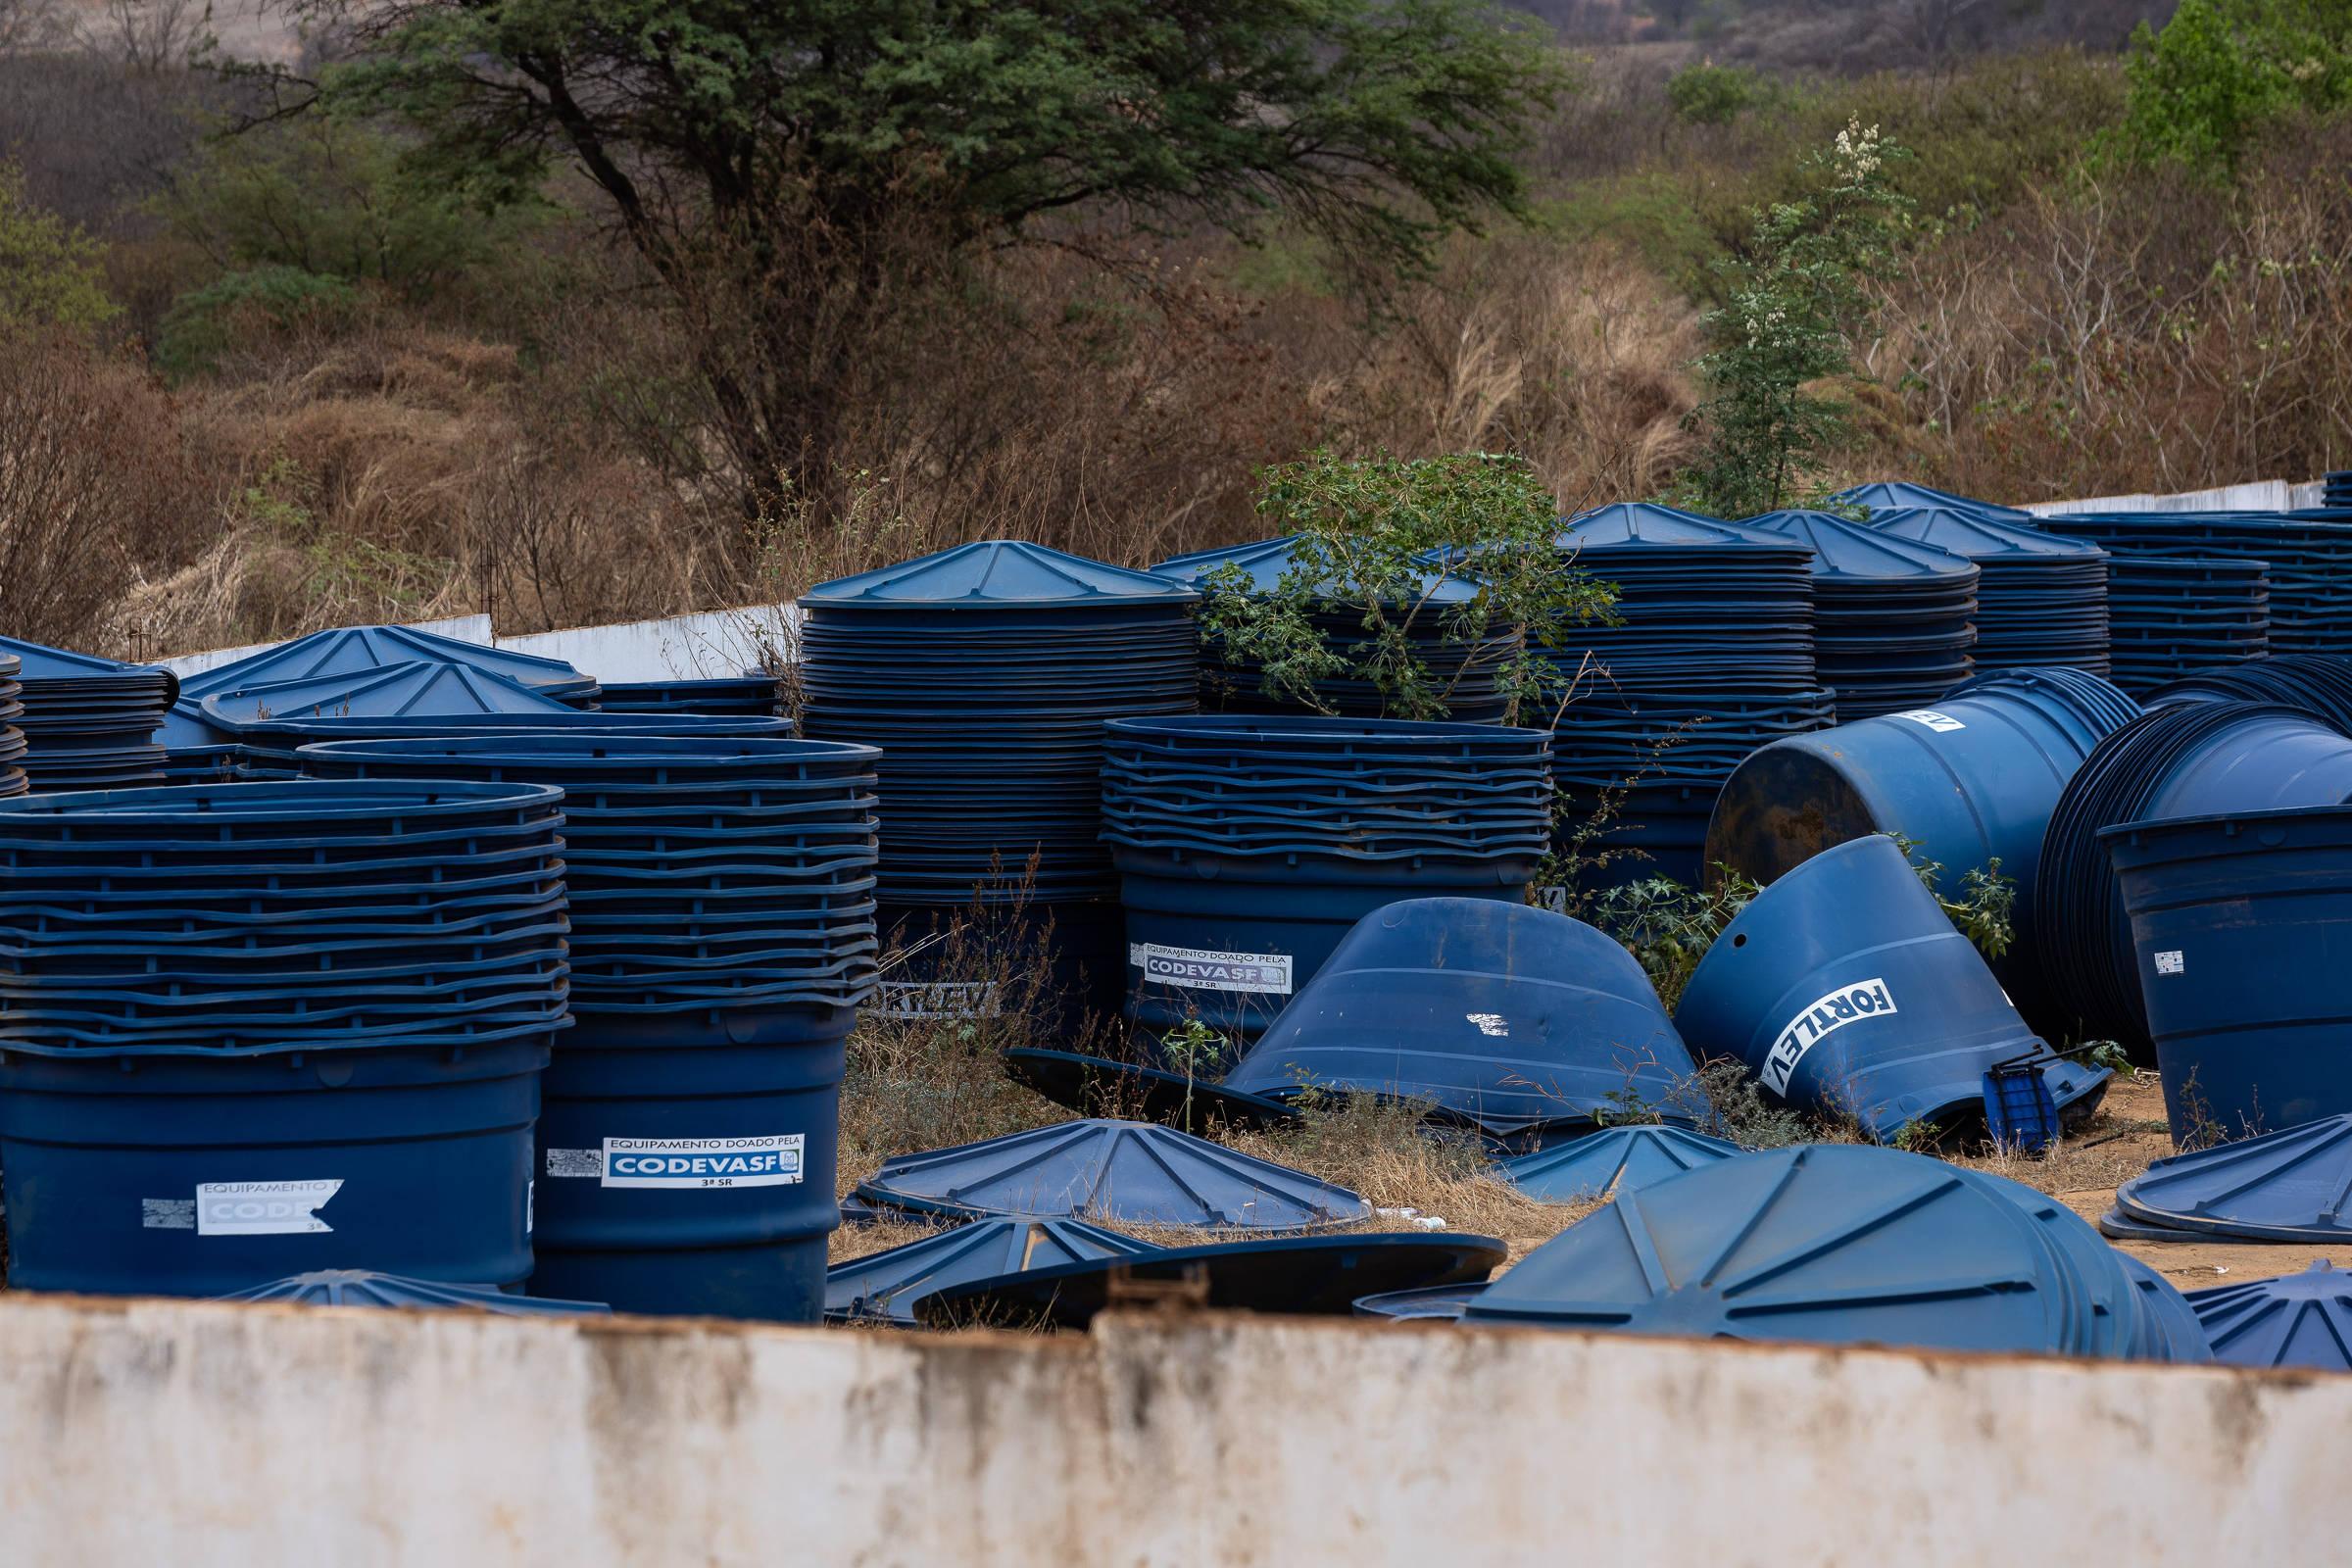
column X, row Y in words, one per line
column 571, row 311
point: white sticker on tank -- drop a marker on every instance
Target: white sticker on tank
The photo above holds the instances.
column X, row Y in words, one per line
column 1202, row 969
column 1489, row 1023
column 2172, row 962
column 1866, row 999
column 704, row 1162
column 1941, row 723
column 575, row 1162
column 168, row 1213
column 263, row 1208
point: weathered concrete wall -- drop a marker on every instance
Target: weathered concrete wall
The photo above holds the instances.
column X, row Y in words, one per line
column 196, row 1434
column 2263, row 495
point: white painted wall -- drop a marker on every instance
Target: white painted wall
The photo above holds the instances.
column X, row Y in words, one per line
column 198, row 1434
column 713, row 644
column 464, row 628
column 2266, row 495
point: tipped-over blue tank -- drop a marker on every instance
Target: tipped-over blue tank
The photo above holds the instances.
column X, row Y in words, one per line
column 1846, row 992
column 2290, row 1186
column 1613, row 1160
column 882, row 1287
column 359, row 1287
column 2177, row 1326
column 1508, row 1017
column 2294, row 1320
column 1115, row 1170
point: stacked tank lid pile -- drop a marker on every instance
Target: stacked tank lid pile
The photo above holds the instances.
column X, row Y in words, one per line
column 985, row 673
column 1250, row 846
column 1465, row 671
column 1892, row 619
column 722, row 934
column 1713, row 659
column 2041, row 599
column 12, row 739
column 88, row 723
column 2304, row 559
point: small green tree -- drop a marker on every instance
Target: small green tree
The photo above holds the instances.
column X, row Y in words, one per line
column 1797, row 296
column 1709, row 94
column 50, row 274
column 2202, row 90
column 1369, row 533
column 331, row 198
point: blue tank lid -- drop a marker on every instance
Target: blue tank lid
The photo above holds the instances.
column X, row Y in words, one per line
column 1888, row 495
column 1120, row 1170
column 1506, row 1016
column 2294, row 1320
column 1856, row 553
column 38, row 661
column 1981, row 538
column 1645, row 524
column 2288, row 1186
column 359, row 1287
column 1613, row 1160
column 882, row 1287
column 1266, row 560
column 416, row 689
column 999, row 573
column 357, row 650
column 1840, row 1244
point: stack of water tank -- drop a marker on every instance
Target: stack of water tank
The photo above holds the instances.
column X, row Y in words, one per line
column 722, row 937
column 2304, row 559
column 1893, row 620
column 1248, row 847
column 88, row 723
column 985, row 675
column 1711, row 657
column 254, row 1030
column 753, row 695
column 12, row 739
column 2041, row 599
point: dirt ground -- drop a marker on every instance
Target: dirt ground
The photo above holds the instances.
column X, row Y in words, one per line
column 2135, row 1106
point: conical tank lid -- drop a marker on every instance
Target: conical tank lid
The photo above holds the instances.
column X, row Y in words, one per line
column 359, row 1287
column 883, row 1286
column 1981, row 538
column 38, row 661
column 1100, row 1169
column 1266, row 560
column 357, row 650
column 1836, row 1244
column 419, row 689
column 1646, row 526
column 1613, row 1160
column 1505, row 1016
column 2294, row 1320
column 1888, row 496
column 1858, row 555
column 2290, row 1186
column 999, row 573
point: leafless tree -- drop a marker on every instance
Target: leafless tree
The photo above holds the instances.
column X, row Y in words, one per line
column 151, row 35
column 29, row 25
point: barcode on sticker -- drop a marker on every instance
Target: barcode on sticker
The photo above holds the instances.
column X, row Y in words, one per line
column 1941, row 723
column 772, row 1161
column 2172, row 962
column 575, row 1162
column 1202, row 969
column 1851, row 1005
column 168, row 1213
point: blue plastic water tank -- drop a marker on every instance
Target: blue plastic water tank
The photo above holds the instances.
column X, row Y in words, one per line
column 2190, row 759
column 2041, row 599
column 1968, row 781
column 2238, row 927
column 88, row 723
column 1845, row 991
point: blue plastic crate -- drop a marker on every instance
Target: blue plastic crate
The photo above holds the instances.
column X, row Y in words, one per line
column 2019, row 1110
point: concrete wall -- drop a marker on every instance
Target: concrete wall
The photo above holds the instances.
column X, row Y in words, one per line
column 713, row 644
column 2263, row 494
column 197, row 1434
